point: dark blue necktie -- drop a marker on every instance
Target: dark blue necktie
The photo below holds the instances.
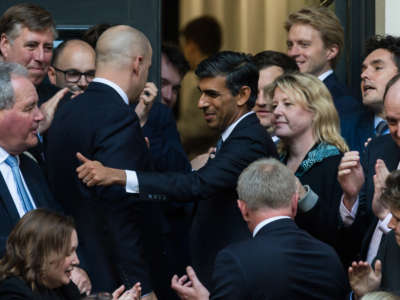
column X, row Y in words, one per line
column 23, row 194
column 381, row 128
column 219, row 145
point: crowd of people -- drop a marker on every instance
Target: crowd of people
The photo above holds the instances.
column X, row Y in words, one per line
column 297, row 198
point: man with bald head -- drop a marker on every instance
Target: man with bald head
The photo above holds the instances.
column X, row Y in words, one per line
column 101, row 125
column 73, row 65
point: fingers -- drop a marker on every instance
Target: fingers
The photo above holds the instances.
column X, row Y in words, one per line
column 192, row 275
column 118, row 292
column 81, row 157
column 378, row 267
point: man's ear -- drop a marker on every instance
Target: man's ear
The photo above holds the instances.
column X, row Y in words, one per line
column 243, row 209
column 4, row 45
column 51, row 73
column 137, row 64
column 243, row 95
column 333, row 51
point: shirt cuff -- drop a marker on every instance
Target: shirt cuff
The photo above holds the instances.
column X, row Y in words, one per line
column 347, row 216
column 383, row 225
column 309, row 200
column 132, row 184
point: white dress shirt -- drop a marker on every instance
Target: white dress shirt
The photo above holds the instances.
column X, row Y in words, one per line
column 267, row 221
column 132, row 184
column 8, row 177
column 323, row 76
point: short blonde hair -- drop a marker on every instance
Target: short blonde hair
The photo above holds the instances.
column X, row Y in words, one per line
column 323, row 20
column 313, row 95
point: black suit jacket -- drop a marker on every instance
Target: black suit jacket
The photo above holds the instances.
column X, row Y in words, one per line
column 354, row 117
column 280, row 262
column 384, row 148
column 40, row 193
column 14, row 288
column 102, row 127
column 217, row 221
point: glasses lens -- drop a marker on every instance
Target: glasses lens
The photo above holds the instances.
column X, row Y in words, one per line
column 72, row 76
column 89, row 75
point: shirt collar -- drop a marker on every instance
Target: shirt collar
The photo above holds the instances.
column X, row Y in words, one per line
column 323, row 76
column 377, row 120
column 111, row 84
column 267, row 221
column 4, row 154
column 230, row 128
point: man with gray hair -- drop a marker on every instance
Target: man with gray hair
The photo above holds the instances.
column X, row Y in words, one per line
column 281, row 261
column 101, row 125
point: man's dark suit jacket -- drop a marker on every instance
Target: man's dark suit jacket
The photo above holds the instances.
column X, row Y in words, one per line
column 389, row 255
column 102, row 127
column 384, row 148
column 280, row 262
column 217, row 221
column 352, row 113
column 39, row 190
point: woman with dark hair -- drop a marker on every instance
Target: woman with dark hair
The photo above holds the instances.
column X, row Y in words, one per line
column 307, row 124
column 40, row 255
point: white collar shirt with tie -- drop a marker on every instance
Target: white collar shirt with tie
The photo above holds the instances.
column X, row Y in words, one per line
column 8, row 177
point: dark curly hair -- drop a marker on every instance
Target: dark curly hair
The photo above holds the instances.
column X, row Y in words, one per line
column 387, row 42
column 391, row 193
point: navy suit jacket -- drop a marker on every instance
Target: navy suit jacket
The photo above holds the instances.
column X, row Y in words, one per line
column 217, row 221
column 384, row 148
column 354, row 117
column 102, row 127
column 280, row 262
column 165, row 144
column 40, row 193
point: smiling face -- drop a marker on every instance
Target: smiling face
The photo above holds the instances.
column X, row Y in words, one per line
column 32, row 49
column 219, row 106
column 376, row 71
column 306, row 47
column 59, row 271
column 292, row 119
column 19, row 124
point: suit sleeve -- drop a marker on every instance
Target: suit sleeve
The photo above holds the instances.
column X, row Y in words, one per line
column 218, row 175
column 228, row 278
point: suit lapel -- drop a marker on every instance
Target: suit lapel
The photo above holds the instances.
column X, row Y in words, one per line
column 8, row 202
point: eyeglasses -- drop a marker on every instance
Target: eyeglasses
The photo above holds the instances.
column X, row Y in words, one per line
column 74, row 76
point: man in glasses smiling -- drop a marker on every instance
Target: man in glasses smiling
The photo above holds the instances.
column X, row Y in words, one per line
column 73, row 65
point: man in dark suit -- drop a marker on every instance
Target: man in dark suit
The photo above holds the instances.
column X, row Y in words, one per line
column 357, row 180
column 315, row 40
column 381, row 63
column 228, row 85
column 281, row 261
column 101, row 125
column 386, row 270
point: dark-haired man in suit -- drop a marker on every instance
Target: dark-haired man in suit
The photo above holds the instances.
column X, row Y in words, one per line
column 281, row 261
column 228, row 85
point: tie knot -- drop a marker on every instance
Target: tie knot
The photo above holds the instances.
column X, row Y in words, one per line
column 12, row 161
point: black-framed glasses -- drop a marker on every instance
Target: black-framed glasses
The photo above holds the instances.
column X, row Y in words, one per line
column 74, row 76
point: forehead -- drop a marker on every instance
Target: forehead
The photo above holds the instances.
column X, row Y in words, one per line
column 300, row 31
column 269, row 74
column 168, row 69
column 217, row 83
column 382, row 55
column 45, row 36
column 392, row 101
column 76, row 56
column 23, row 89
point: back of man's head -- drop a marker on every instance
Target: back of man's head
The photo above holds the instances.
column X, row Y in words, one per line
column 31, row 16
column 206, row 33
column 271, row 58
column 323, row 20
column 238, row 68
column 387, row 42
column 266, row 184
column 118, row 45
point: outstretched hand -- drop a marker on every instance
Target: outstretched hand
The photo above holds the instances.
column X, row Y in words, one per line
column 92, row 172
column 188, row 287
column 49, row 108
column 363, row 279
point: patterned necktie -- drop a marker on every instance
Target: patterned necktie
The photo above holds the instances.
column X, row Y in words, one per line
column 26, row 201
column 381, row 128
column 219, row 145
